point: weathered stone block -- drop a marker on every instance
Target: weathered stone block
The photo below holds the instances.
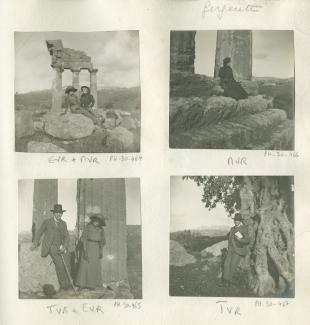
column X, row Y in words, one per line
column 120, row 140
column 179, row 255
column 216, row 249
column 24, row 126
column 34, row 270
column 69, row 126
column 34, row 146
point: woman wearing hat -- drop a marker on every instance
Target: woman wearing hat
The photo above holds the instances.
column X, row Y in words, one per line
column 93, row 239
column 87, row 100
column 231, row 87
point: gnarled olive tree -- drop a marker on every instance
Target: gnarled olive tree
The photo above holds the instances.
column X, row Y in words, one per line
column 266, row 204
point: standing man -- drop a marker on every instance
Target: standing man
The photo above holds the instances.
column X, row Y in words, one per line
column 55, row 243
column 238, row 239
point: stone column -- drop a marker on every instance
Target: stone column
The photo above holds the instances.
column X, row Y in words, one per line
column 57, row 91
column 45, row 195
column 236, row 44
column 93, row 86
column 109, row 197
column 76, row 79
column 182, row 51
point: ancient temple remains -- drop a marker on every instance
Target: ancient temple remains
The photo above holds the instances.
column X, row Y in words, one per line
column 182, row 51
column 236, row 44
column 74, row 60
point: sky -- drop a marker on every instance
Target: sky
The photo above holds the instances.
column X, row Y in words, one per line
column 115, row 54
column 187, row 210
column 273, row 53
column 67, row 196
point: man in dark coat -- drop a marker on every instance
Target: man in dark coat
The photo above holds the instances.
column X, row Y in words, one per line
column 227, row 81
column 238, row 239
column 55, row 243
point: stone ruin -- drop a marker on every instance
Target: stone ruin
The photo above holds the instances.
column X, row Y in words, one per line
column 106, row 196
column 200, row 117
column 74, row 60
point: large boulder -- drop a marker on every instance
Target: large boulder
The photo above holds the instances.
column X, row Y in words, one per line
column 250, row 131
column 129, row 123
column 24, row 126
column 34, row 270
column 250, row 86
column 184, row 84
column 68, row 126
column 35, row 146
column 119, row 139
column 253, row 104
column 215, row 250
column 179, row 255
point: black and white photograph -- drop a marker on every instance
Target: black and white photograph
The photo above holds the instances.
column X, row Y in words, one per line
column 232, row 89
column 232, row 236
column 79, row 239
column 77, row 92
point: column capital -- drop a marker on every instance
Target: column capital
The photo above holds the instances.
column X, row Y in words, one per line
column 75, row 70
column 93, row 70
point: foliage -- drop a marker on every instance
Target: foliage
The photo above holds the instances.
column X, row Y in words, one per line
column 220, row 189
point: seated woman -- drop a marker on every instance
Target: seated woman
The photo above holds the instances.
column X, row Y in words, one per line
column 93, row 239
column 72, row 103
column 231, row 87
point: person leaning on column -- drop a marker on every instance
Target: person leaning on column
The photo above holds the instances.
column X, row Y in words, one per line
column 55, row 243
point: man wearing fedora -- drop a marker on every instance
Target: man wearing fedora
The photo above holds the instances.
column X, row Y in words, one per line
column 238, row 239
column 73, row 104
column 55, row 243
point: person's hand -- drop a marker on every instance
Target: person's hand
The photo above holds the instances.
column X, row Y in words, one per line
column 62, row 250
column 33, row 247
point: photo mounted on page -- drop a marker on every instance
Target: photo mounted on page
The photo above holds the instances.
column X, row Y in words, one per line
column 232, row 236
column 77, row 92
column 232, row 89
column 79, row 238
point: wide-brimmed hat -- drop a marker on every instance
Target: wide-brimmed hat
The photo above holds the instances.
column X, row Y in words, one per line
column 238, row 217
column 99, row 218
column 58, row 208
column 226, row 60
column 70, row 88
column 85, row 88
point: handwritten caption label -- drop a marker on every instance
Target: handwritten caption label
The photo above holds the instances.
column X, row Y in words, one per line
column 221, row 9
column 284, row 154
column 239, row 161
column 94, row 160
column 228, row 309
column 89, row 308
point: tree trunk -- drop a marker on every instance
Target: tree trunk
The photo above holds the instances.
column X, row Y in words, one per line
column 266, row 205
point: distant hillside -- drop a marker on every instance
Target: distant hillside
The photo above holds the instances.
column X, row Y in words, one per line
column 195, row 240
column 119, row 98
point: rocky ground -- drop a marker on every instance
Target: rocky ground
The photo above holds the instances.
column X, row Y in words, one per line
column 39, row 130
column 200, row 117
column 198, row 273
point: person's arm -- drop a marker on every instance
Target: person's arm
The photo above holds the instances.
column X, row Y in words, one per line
column 92, row 101
column 67, row 238
column 84, row 242
column 38, row 235
column 245, row 236
column 102, row 243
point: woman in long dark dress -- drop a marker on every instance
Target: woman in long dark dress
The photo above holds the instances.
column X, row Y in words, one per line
column 93, row 239
column 227, row 81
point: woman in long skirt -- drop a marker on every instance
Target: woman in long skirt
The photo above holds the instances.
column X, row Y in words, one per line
column 93, row 239
column 227, row 81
